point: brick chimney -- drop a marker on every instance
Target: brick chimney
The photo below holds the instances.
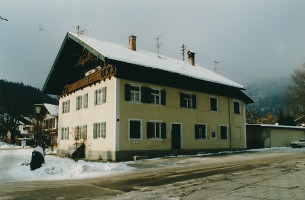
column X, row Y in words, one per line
column 191, row 57
column 133, row 42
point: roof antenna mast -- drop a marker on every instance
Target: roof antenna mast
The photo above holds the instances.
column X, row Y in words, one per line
column 83, row 31
column 215, row 67
column 158, row 45
column 182, row 51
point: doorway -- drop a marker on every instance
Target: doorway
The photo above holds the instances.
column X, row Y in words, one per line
column 176, row 136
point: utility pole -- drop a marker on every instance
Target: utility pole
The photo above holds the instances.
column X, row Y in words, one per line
column 158, row 45
column 182, row 51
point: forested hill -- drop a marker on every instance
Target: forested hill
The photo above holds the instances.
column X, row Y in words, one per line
column 19, row 99
column 269, row 96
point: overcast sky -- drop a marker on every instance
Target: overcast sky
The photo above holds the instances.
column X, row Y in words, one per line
column 252, row 40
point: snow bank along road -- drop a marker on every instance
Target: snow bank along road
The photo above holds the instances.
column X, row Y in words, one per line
column 274, row 174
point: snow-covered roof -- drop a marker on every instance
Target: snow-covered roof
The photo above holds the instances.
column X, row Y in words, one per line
column 52, row 109
column 139, row 57
column 277, row 126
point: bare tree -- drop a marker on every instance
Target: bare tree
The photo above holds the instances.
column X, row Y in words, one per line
column 296, row 94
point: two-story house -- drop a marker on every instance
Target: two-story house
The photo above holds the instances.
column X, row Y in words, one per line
column 121, row 102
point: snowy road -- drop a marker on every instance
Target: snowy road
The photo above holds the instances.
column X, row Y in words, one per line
column 250, row 175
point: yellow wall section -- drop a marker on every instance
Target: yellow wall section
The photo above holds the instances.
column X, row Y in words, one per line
column 173, row 113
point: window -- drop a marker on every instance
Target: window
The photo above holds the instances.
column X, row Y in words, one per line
column 135, row 129
column 213, row 134
column 81, row 132
column 100, row 96
column 213, row 104
column 156, row 130
column 236, row 107
column 187, row 100
column 82, row 101
column 135, row 93
column 156, row 96
column 65, row 133
column 49, row 123
column 143, row 94
column 200, row 131
column 223, row 132
column 66, row 106
column 99, row 130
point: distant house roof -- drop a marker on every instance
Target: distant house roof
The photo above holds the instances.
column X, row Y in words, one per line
column 275, row 126
column 52, row 109
column 64, row 72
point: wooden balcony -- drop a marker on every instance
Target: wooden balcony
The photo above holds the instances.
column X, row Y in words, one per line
column 106, row 72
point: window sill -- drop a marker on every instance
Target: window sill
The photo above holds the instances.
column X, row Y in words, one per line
column 134, row 102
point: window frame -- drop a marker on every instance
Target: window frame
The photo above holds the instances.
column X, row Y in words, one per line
column 211, row 110
column 227, row 132
column 66, row 106
column 65, row 133
column 206, row 134
column 141, row 127
column 100, row 96
column 154, row 96
column 100, row 133
column 239, row 107
column 188, row 100
column 153, row 133
column 133, row 92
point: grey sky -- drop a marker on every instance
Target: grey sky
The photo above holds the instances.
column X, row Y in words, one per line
column 252, row 40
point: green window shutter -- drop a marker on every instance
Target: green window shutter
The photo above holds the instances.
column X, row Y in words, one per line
column 67, row 133
column 68, row 106
column 62, row 133
column 104, row 94
column 163, row 130
column 149, row 130
column 163, row 97
column 77, row 103
column 86, row 100
column 63, row 107
column 94, row 130
column 103, row 134
column 95, row 97
column 76, row 133
column 194, row 101
column 196, row 131
column 204, row 131
column 146, row 96
column 127, row 92
column 85, row 132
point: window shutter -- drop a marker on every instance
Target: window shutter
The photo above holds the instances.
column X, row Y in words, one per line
column 63, row 107
column 194, row 101
column 196, row 131
column 95, row 97
column 127, row 92
column 146, row 96
column 85, row 132
column 68, row 133
column 62, row 133
column 182, row 103
column 163, row 130
column 94, row 131
column 76, row 133
column 103, row 134
column 149, row 132
column 104, row 94
column 163, row 97
column 77, row 103
column 68, row 106
column 86, row 100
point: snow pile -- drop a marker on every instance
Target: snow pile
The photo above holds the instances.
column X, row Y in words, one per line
column 55, row 168
column 4, row 145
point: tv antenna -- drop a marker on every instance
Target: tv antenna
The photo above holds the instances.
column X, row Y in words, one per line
column 158, row 45
column 215, row 66
column 182, row 51
column 81, row 31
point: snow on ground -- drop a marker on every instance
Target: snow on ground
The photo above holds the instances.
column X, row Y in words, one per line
column 55, row 168
column 4, row 145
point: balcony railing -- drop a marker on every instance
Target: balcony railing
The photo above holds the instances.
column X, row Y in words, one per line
column 106, row 72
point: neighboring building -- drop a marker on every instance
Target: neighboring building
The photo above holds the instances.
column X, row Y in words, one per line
column 121, row 102
column 26, row 129
column 49, row 113
column 266, row 135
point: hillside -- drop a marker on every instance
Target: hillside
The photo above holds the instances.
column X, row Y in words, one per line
column 268, row 96
column 19, row 99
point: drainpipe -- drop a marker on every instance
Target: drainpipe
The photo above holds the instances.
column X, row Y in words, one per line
column 230, row 123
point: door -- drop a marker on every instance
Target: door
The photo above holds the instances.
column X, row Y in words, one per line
column 176, row 136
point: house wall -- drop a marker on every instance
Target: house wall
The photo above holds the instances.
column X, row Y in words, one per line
column 100, row 148
column 173, row 113
column 283, row 137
